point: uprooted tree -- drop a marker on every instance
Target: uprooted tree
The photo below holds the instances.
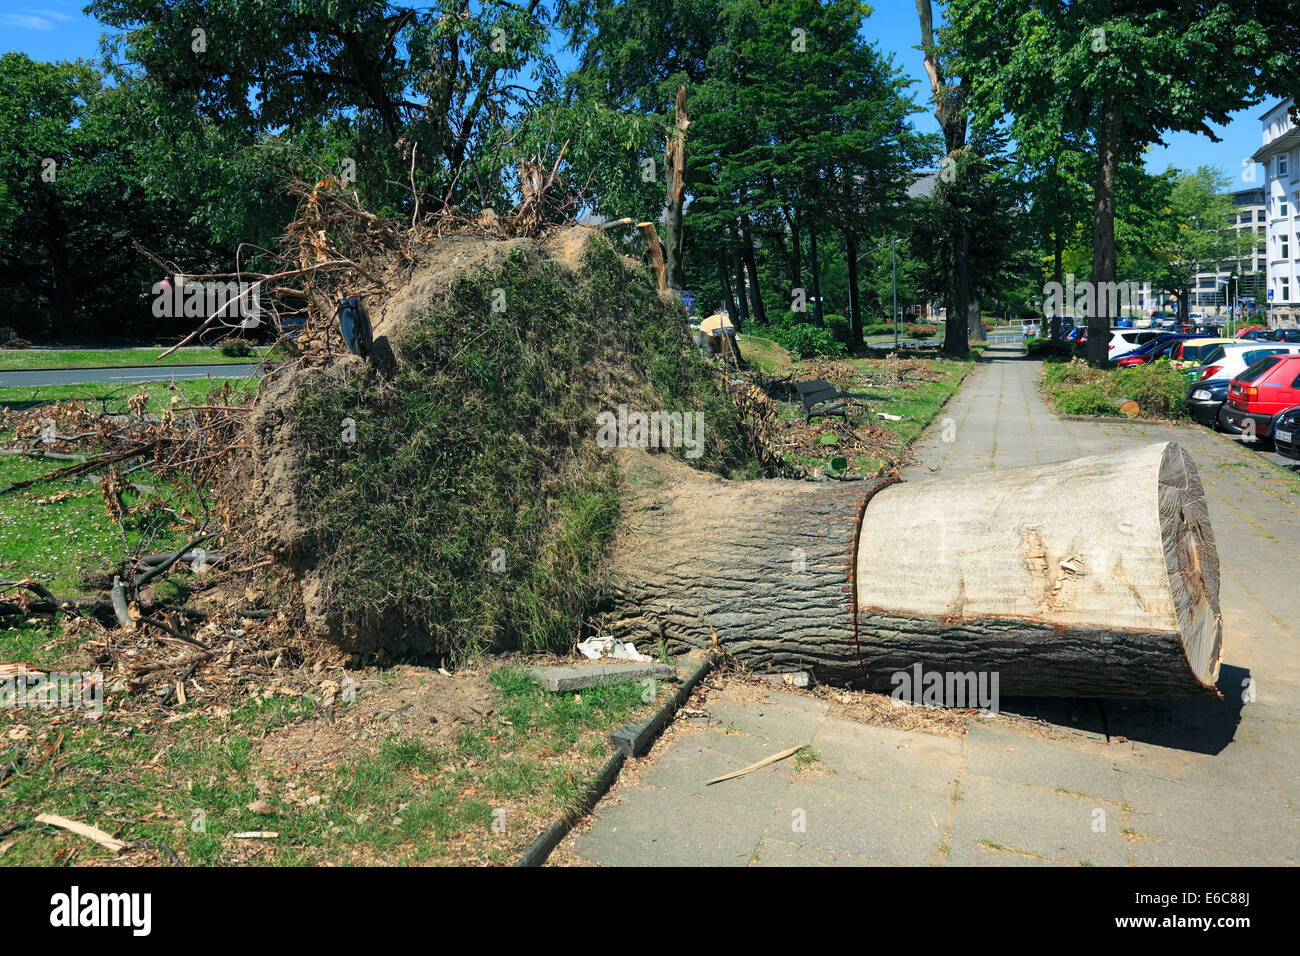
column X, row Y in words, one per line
column 448, row 493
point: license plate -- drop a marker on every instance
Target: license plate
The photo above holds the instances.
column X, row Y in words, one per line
column 1283, row 436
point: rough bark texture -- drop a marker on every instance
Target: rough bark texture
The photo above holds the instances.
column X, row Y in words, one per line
column 767, row 566
column 1029, row 573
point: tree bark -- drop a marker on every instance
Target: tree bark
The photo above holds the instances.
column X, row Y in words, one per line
column 675, row 164
column 751, row 268
column 855, row 300
column 724, row 280
column 1103, row 227
column 816, row 273
column 1028, row 573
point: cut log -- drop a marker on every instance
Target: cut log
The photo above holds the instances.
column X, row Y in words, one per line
column 1094, row 577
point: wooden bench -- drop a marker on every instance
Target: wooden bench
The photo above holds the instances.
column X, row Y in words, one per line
column 821, row 398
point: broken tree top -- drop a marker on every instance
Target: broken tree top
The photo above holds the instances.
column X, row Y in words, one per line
column 1094, row 577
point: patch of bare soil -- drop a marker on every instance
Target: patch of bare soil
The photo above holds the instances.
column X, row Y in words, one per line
column 410, row 702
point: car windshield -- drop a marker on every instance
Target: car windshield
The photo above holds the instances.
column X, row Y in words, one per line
column 1213, row 355
column 1258, row 369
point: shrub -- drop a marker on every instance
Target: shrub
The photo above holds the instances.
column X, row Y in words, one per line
column 1158, row 388
column 807, row 341
column 921, row 331
column 235, row 348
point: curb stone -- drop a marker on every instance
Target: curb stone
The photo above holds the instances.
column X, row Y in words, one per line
column 634, row 739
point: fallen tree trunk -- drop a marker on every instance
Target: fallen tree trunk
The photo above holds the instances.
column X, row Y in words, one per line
column 1094, row 577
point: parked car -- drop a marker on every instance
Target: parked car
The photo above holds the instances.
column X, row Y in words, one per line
column 1260, row 392
column 1155, row 349
column 1123, row 341
column 1286, row 432
column 1233, row 358
column 1189, row 353
column 1245, row 330
column 1204, row 399
column 1282, row 335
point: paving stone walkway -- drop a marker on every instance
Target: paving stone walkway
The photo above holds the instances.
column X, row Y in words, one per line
column 1047, row 782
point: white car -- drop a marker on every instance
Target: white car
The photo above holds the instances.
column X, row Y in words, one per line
column 1123, row 341
column 1229, row 361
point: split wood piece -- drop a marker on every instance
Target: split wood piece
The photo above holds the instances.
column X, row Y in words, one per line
column 656, row 253
column 82, row 829
column 765, row 762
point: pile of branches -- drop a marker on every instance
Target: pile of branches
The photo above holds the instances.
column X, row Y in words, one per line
column 159, row 474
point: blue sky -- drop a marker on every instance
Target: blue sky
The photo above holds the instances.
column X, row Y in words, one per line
column 59, row 30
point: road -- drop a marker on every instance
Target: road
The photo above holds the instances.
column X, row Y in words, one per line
column 119, row 375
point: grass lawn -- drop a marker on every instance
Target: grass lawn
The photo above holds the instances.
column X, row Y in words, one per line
column 192, row 781
column 115, row 395
column 167, row 776
column 16, row 360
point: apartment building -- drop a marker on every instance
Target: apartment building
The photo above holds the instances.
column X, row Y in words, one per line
column 1280, row 157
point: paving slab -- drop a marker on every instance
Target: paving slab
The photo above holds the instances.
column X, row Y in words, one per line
column 780, row 853
column 777, row 715
column 648, row 826
column 993, row 751
column 693, row 759
column 1248, row 822
column 568, row 677
column 877, row 821
column 1039, row 821
column 889, row 756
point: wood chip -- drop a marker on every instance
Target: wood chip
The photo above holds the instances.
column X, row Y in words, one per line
column 82, row 829
column 756, row 766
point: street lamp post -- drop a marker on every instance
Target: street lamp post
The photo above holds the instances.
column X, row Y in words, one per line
column 893, row 258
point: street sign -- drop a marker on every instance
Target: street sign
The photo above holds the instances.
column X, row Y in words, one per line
column 1270, row 295
column 688, row 300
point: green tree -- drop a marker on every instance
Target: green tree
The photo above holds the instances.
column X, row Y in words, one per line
column 1122, row 72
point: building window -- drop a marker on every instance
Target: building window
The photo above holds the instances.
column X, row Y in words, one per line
column 1281, row 165
column 1286, row 247
column 1282, row 208
column 1284, row 289
column 1259, row 215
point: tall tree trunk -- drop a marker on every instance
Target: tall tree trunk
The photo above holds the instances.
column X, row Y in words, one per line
column 816, row 272
column 1103, row 227
column 796, row 251
column 956, row 341
column 950, row 111
column 1038, row 575
column 742, row 303
column 675, row 163
column 1058, row 276
column 855, row 300
column 724, row 280
column 751, row 267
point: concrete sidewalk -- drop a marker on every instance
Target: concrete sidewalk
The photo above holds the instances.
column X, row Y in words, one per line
column 1047, row 782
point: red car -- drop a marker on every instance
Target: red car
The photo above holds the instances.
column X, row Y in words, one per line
column 1259, row 393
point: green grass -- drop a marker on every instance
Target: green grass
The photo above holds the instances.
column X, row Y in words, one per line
column 12, row 360
column 474, row 506
column 55, row 531
column 112, row 396
column 764, row 353
column 189, row 785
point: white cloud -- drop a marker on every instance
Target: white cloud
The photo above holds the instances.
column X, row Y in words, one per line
column 22, row 20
